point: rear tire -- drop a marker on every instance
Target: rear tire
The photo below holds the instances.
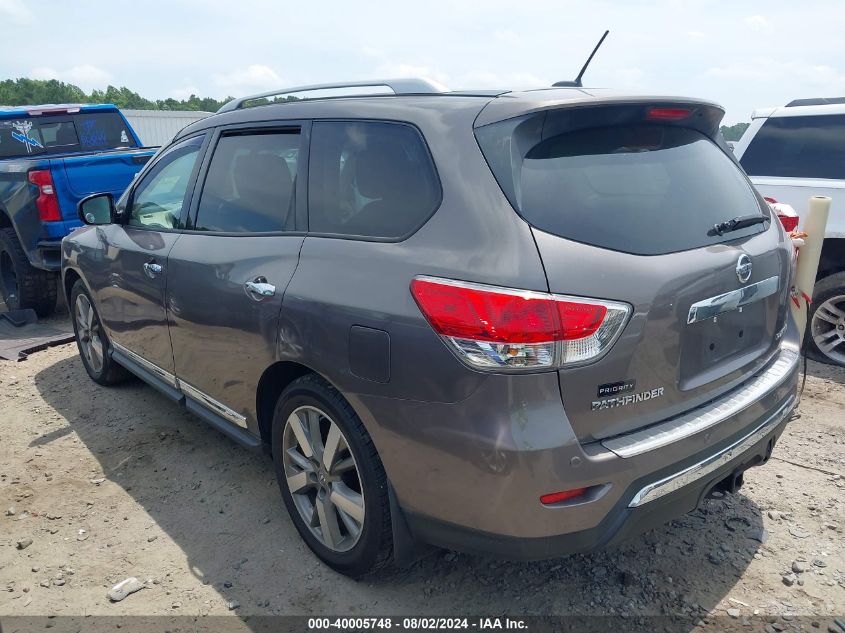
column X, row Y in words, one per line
column 825, row 336
column 341, row 511
column 21, row 284
column 91, row 339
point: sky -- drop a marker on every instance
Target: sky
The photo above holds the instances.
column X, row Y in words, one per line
column 742, row 55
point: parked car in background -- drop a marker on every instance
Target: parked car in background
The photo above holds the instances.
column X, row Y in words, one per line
column 794, row 152
column 52, row 156
column 521, row 323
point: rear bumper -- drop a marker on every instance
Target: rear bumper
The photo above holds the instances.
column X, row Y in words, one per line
column 644, row 505
column 48, row 255
column 469, row 475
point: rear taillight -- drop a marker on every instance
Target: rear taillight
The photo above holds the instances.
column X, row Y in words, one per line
column 47, row 201
column 502, row 328
column 786, row 214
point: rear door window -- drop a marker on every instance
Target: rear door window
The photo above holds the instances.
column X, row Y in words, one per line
column 250, row 185
column 798, row 147
column 369, row 179
column 646, row 189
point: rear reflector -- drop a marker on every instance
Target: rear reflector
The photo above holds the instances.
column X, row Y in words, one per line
column 504, row 328
column 669, row 114
column 566, row 495
column 47, row 201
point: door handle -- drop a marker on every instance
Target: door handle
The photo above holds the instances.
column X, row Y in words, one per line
column 258, row 288
column 152, row 269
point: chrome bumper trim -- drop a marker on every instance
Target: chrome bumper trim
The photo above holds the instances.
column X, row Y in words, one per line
column 733, row 300
column 708, row 415
column 714, row 462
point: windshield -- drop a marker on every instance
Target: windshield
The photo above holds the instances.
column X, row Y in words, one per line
column 641, row 188
column 65, row 133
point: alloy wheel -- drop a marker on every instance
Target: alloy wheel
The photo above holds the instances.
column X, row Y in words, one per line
column 828, row 328
column 323, row 478
column 89, row 334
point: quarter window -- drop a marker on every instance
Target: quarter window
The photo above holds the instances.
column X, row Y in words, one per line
column 158, row 199
column 369, row 179
column 250, row 184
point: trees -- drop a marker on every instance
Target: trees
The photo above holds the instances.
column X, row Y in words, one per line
column 734, row 132
column 23, row 91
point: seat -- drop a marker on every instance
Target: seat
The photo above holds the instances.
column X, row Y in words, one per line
column 263, row 187
column 387, row 175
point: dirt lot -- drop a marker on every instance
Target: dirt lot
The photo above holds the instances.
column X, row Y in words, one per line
column 111, row 483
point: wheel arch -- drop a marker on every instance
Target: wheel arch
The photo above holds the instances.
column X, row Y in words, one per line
column 832, row 259
column 272, row 383
column 69, row 278
column 5, row 220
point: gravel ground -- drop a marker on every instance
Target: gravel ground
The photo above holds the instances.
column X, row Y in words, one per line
column 97, row 485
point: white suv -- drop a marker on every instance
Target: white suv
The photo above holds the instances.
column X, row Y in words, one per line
column 794, row 152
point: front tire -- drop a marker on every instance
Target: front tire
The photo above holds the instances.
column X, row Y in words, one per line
column 331, row 478
column 91, row 338
column 825, row 335
column 21, row 284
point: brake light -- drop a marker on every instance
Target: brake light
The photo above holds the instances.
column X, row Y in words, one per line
column 786, row 214
column 502, row 328
column 59, row 110
column 669, row 114
column 47, row 201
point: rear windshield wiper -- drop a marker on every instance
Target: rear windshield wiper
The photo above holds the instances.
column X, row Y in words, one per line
column 737, row 223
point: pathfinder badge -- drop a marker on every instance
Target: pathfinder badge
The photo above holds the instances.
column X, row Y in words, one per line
column 623, row 401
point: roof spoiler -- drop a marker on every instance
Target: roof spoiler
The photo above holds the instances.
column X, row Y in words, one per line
column 816, row 101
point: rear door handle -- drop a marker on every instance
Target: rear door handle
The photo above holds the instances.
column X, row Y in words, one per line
column 152, row 269
column 258, row 288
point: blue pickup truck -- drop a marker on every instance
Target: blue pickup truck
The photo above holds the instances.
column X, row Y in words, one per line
column 51, row 157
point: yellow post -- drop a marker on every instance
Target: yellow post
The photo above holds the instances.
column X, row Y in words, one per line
column 808, row 256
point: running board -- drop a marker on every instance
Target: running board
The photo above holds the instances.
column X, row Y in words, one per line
column 228, row 427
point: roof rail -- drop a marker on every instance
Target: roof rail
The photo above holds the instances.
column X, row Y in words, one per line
column 816, row 101
column 406, row 86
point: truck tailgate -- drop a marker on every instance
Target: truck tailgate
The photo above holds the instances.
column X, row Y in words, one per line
column 105, row 171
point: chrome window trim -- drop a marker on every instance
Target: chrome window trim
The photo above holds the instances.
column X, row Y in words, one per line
column 708, row 415
column 733, row 300
column 154, row 369
column 190, row 391
column 210, row 403
column 714, row 462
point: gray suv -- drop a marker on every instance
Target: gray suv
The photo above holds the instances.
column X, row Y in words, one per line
column 521, row 323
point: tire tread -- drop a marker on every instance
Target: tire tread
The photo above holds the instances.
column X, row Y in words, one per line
column 315, row 382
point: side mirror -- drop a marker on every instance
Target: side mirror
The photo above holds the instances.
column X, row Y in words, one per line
column 97, row 208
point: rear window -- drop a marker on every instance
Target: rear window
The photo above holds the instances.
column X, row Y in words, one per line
column 798, row 147
column 83, row 132
column 645, row 189
column 369, row 179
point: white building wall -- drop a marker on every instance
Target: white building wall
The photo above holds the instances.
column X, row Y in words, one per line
column 157, row 127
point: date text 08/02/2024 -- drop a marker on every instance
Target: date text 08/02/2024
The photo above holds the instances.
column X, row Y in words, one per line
column 417, row 624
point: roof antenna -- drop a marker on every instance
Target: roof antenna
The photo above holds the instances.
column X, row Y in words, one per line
column 577, row 83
